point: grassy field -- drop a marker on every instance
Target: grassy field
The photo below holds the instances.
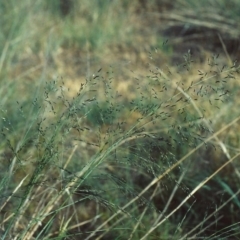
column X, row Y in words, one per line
column 119, row 119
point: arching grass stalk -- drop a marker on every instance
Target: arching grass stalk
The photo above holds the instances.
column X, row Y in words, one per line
column 157, row 179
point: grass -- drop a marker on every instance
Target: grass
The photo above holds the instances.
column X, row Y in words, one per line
column 98, row 146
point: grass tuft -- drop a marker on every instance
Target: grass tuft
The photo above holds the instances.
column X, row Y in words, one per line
column 141, row 149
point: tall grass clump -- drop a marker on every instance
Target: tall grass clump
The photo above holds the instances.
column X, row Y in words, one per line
column 103, row 165
column 140, row 150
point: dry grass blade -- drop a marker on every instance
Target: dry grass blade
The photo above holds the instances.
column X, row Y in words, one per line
column 223, row 27
column 170, row 199
column 190, row 195
column 230, row 63
column 15, row 190
column 211, row 215
column 75, row 226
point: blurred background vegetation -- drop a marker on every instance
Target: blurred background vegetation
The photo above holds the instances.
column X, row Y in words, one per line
column 71, row 40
